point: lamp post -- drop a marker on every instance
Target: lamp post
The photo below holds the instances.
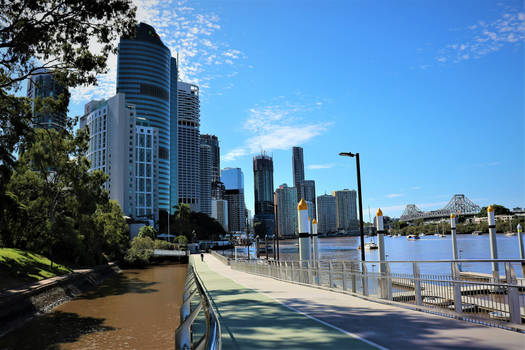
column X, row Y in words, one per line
column 356, row 155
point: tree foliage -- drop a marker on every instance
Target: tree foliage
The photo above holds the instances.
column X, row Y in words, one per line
column 498, row 210
column 148, row 231
column 187, row 222
column 140, row 251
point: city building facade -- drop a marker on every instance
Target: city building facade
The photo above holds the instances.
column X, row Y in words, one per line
column 263, row 192
column 126, row 152
column 217, row 187
column 346, row 210
column 205, row 174
column 326, row 214
column 298, row 170
column 189, row 144
column 286, row 211
column 42, row 85
column 219, row 211
column 236, row 210
column 145, row 74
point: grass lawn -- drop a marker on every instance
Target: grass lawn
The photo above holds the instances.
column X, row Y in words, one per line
column 18, row 267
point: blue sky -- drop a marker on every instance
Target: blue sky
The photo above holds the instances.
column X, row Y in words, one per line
column 431, row 93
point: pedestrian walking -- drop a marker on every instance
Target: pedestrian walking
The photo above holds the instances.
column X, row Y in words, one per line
column 202, row 256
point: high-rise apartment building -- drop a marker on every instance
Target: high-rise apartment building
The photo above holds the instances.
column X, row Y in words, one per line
column 42, row 85
column 219, row 211
column 205, row 171
column 236, row 210
column 326, row 214
column 307, row 189
column 217, row 187
column 147, row 74
column 286, row 210
column 233, row 180
column 126, row 152
column 346, row 209
column 298, row 170
column 189, row 144
column 263, row 192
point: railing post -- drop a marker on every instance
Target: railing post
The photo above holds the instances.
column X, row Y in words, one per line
column 387, row 281
column 344, row 275
column 364, row 271
column 512, row 293
column 330, row 274
column 353, row 268
column 309, row 272
column 417, row 283
column 318, row 263
column 458, row 304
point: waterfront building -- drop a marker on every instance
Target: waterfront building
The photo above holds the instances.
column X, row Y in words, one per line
column 205, row 171
column 146, row 74
column 307, row 189
column 263, row 192
column 298, row 170
column 233, row 182
column 326, row 214
column 285, row 211
column 126, row 152
column 216, row 184
column 346, row 210
column 236, row 210
column 41, row 85
column 188, row 141
column 219, row 211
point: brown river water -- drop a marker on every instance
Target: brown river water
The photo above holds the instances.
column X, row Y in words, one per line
column 137, row 309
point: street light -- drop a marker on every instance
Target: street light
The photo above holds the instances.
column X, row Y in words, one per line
column 356, row 155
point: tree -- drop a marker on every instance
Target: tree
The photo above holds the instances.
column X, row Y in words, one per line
column 140, row 251
column 148, row 231
column 109, row 220
column 69, row 38
column 498, row 210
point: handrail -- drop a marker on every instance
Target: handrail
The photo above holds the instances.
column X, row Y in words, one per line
column 183, row 335
column 414, row 261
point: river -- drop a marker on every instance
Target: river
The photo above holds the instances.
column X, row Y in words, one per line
column 137, row 309
column 399, row 248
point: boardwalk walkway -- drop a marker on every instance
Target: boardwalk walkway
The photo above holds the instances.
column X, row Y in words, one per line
column 263, row 313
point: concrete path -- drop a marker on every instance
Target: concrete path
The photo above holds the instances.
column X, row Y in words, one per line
column 387, row 326
column 252, row 320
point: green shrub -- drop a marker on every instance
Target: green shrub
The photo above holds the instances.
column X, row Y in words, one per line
column 160, row 244
column 140, row 251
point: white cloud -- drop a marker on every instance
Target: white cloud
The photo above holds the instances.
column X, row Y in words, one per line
column 186, row 32
column 277, row 127
column 415, row 188
column 320, row 166
column 394, row 195
column 485, row 38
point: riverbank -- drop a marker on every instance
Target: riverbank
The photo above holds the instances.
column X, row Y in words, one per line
column 20, row 303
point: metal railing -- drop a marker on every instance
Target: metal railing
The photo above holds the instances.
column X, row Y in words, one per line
column 221, row 257
column 446, row 287
column 197, row 316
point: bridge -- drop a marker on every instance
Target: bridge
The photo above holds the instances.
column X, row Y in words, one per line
column 458, row 205
column 344, row 305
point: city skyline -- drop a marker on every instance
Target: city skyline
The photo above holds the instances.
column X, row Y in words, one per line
column 394, row 102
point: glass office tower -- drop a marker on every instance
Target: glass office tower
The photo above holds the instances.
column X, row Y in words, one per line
column 146, row 74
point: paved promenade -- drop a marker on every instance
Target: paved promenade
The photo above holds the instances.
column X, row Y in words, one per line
column 264, row 313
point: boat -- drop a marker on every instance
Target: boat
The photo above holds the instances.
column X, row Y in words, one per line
column 510, row 234
column 412, row 237
column 477, row 233
column 398, row 235
column 369, row 245
column 422, row 235
column 441, row 235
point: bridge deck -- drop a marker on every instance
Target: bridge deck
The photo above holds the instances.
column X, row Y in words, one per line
column 259, row 312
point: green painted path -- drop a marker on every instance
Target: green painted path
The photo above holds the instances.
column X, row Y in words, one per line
column 252, row 320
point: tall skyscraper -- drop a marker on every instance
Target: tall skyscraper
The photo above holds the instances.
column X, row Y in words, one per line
column 326, row 214
column 233, row 179
column 217, row 187
column 147, row 73
column 126, row 152
column 286, row 210
column 174, row 136
column 42, row 85
column 307, row 189
column 346, row 209
column 298, row 170
column 205, row 171
column 263, row 192
column 189, row 141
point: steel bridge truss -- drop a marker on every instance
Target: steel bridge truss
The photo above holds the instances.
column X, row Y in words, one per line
column 458, row 205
